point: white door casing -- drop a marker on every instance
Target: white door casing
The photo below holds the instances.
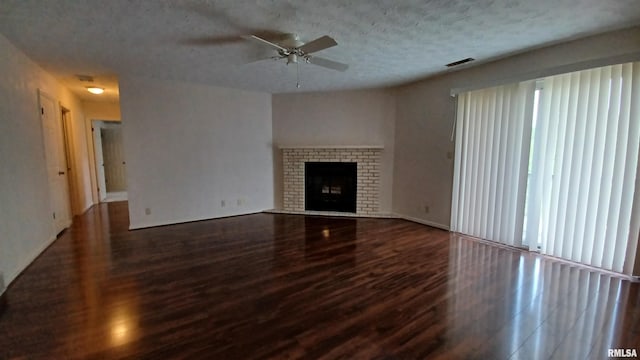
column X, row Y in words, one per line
column 67, row 132
column 96, row 127
column 55, row 157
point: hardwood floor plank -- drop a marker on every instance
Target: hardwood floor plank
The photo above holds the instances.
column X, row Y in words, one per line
column 290, row 286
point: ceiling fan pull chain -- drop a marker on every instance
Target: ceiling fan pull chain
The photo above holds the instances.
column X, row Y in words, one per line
column 297, row 75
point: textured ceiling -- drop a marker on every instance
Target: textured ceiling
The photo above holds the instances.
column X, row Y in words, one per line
column 386, row 42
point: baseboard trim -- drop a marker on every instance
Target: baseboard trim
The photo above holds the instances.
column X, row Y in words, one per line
column 25, row 264
column 159, row 224
column 87, row 208
column 423, row 222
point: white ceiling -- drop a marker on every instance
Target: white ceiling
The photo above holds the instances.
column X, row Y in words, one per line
column 386, row 42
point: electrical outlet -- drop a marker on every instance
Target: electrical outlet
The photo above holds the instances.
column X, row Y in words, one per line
column 222, row 203
column 147, row 211
column 426, row 209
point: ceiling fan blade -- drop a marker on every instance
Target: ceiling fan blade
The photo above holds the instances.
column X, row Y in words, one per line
column 329, row 64
column 263, row 41
column 318, row 44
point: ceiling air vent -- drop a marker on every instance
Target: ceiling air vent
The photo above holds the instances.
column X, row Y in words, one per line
column 460, row 62
column 87, row 78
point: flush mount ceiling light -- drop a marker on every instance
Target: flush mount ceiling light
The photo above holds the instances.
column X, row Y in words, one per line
column 95, row 90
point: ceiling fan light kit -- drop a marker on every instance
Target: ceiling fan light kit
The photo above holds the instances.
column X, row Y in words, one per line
column 292, row 59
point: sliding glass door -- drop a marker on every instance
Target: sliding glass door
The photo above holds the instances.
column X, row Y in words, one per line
column 571, row 147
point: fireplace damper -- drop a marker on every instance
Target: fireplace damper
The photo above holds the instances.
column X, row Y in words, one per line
column 330, row 186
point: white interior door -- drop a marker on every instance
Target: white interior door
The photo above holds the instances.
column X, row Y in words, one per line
column 56, row 162
column 97, row 144
column 67, row 133
column 113, row 157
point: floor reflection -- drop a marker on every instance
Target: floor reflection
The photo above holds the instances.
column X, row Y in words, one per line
column 123, row 318
column 279, row 286
column 545, row 308
column 107, row 301
column 333, row 238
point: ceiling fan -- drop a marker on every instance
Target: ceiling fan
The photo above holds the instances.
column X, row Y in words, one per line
column 290, row 47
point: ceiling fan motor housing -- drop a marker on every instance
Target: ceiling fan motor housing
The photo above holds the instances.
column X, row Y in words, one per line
column 291, row 41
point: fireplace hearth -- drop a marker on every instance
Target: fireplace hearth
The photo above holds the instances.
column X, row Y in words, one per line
column 331, row 186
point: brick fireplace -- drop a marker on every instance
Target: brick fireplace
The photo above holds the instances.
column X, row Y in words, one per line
column 367, row 162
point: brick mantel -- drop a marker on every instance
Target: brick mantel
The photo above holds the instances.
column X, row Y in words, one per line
column 368, row 168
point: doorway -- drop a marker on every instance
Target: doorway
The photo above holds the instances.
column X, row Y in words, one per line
column 110, row 162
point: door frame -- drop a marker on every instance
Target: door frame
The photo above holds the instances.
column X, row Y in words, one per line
column 60, row 143
column 114, row 172
column 99, row 187
column 67, row 134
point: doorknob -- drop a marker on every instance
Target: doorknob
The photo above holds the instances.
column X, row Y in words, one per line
column 60, row 172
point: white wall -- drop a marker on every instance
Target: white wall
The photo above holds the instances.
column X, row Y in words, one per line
column 25, row 213
column 364, row 117
column 98, row 110
column 188, row 147
column 94, row 110
column 425, row 111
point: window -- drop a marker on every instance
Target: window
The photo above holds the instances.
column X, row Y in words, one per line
column 557, row 167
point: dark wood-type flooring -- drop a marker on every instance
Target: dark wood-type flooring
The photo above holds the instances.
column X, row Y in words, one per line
column 289, row 286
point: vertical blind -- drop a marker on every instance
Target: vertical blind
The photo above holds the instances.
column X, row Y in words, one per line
column 493, row 131
column 583, row 166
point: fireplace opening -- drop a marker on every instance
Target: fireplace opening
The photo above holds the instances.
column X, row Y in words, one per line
column 330, row 186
